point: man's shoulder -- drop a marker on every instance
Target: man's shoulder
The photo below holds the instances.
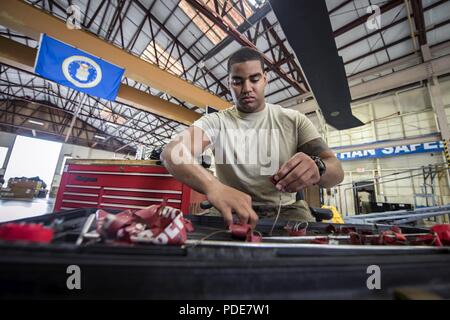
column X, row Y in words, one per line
column 229, row 112
column 279, row 111
column 222, row 114
column 215, row 118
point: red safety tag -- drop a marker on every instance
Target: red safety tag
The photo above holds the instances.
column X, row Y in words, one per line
column 26, row 232
column 158, row 224
column 357, row 239
column 428, row 239
column 244, row 232
column 296, row 229
column 240, row 231
column 443, row 233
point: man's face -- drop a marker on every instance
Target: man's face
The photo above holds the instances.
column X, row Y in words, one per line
column 247, row 82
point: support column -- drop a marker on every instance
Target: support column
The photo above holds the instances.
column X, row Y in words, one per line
column 378, row 185
column 8, row 156
column 434, row 90
column 437, row 102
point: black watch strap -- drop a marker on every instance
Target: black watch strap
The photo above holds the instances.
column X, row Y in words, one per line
column 320, row 165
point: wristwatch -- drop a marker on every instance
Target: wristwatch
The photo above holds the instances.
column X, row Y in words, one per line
column 320, row 165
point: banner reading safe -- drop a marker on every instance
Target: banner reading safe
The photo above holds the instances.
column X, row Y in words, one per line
column 437, row 146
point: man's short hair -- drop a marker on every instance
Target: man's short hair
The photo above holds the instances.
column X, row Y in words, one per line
column 245, row 54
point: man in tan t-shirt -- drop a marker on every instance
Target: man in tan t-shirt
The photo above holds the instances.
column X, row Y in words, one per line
column 263, row 153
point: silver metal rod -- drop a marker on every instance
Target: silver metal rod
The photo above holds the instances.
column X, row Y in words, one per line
column 74, row 118
column 421, row 216
column 400, row 212
column 444, row 166
column 87, row 225
column 210, row 243
column 92, row 235
column 333, row 237
column 409, row 216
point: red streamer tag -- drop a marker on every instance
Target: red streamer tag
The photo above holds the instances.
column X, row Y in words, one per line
column 26, row 232
column 428, row 239
column 356, row 238
column 240, row 231
column 252, row 237
column 244, row 232
column 296, row 229
column 112, row 224
column 157, row 224
column 443, row 233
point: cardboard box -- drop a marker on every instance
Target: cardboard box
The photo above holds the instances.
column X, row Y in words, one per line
column 23, row 184
column 21, row 192
column 21, row 187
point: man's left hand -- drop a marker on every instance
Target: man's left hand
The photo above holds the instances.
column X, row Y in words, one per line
column 297, row 173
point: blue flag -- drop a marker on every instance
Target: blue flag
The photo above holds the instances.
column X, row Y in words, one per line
column 77, row 69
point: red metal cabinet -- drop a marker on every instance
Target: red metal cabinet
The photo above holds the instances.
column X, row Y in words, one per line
column 118, row 184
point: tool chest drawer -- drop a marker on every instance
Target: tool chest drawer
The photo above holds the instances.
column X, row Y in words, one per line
column 117, row 184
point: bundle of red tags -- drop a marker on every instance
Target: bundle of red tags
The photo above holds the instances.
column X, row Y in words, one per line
column 157, row 224
column 438, row 236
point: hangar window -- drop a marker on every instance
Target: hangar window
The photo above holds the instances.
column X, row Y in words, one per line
column 229, row 12
column 108, row 115
column 163, row 60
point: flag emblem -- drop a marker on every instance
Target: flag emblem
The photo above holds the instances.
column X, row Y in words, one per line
column 77, row 69
column 82, row 72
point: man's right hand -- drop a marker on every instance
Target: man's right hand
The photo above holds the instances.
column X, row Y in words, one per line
column 228, row 200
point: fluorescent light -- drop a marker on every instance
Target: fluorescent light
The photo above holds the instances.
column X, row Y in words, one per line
column 257, row 3
column 99, row 137
column 36, row 122
column 111, row 125
column 34, row 132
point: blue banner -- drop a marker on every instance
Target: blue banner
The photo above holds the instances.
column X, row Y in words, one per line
column 428, row 147
column 77, row 69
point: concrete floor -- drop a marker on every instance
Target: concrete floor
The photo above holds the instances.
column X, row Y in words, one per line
column 18, row 209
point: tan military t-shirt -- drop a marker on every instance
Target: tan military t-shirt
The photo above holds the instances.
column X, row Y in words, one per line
column 250, row 148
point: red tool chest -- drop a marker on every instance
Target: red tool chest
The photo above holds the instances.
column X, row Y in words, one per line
column 119, row 184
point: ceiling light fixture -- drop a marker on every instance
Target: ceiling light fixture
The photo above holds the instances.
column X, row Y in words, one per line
column 335, row 113
column 36, row 122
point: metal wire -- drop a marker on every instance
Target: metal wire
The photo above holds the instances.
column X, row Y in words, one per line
column 278, row 215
